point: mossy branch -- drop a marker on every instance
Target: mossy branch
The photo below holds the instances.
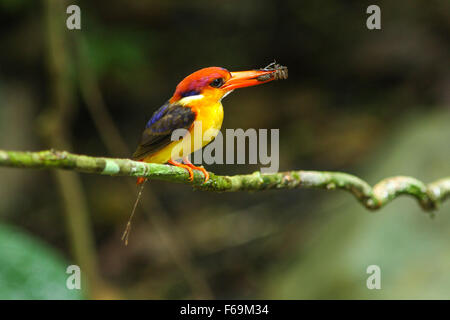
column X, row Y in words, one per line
column 429, row 196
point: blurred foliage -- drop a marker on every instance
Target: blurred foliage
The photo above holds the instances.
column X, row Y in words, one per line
column 410, row 248
column 29, row 269
column 356, row 100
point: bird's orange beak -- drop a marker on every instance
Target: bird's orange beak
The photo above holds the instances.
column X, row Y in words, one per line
column 241, row 79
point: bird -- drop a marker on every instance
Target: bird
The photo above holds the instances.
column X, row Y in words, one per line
column 198, row 97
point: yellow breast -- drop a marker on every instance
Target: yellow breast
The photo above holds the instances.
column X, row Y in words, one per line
column 209, row 119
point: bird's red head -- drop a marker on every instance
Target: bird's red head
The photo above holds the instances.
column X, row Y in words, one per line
column 214, row 83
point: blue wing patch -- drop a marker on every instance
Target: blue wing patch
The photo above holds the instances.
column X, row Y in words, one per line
column 157, row 115
column 159, row 128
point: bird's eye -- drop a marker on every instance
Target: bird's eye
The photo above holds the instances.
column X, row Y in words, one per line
column 216, row 83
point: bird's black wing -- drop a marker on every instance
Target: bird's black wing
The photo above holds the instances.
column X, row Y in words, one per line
column 158, row 132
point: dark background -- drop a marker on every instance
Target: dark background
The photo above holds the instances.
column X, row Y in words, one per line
column 371, row 103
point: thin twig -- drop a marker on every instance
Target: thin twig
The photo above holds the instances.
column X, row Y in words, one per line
column 126, row 233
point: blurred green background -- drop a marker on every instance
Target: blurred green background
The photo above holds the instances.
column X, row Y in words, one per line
column 370, row 103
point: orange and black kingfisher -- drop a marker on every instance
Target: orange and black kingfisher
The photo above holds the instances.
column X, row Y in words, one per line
column 197, row 98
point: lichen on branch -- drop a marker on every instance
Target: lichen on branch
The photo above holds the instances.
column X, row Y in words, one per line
column 429, row 196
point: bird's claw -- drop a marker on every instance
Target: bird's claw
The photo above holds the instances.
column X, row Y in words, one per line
column 203, row 170
column 205, row 173
column 190, row 167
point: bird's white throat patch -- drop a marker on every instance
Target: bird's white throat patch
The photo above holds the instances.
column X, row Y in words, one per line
column 186, row 100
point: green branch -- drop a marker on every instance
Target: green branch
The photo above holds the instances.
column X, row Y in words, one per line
column 428, row 196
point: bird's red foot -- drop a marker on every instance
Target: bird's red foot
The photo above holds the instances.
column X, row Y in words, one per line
column 188, row 168
column 191, row 165
column 140, row 180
